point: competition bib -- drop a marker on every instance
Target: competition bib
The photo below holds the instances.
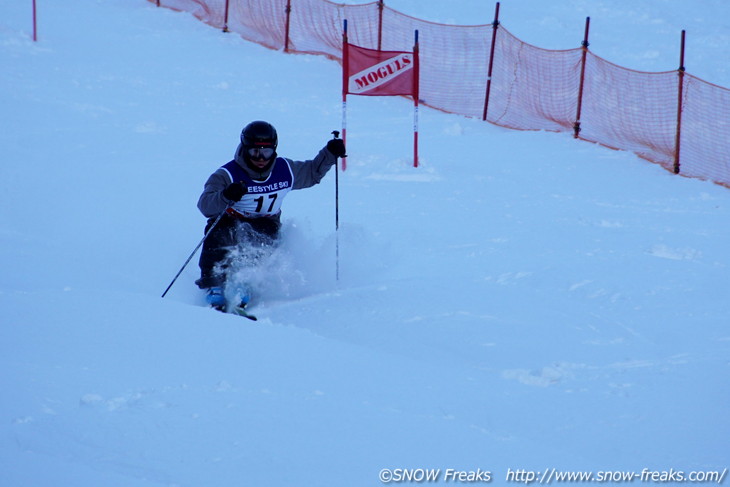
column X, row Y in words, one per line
column 264, row 198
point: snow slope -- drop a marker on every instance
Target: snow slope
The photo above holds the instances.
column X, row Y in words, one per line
column 522, row 301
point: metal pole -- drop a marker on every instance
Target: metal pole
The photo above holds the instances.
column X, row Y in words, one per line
column 415, row 100
column 225, row 18
column 35, row 24
column 381, row 5
column 337, row 214
column 495, row 25
column 345, row 69
column 288, row 21
column 678, row 137
column 576, row 125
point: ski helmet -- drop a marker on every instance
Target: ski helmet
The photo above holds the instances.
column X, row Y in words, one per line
column 259, row 134
column 259, row 138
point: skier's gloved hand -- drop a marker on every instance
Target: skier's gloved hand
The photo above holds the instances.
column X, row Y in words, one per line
column 337, row 147
column 235, row 191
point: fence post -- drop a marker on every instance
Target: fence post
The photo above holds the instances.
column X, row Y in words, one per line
column 345, row 73
column 495, row 25
column 35, row 23
column 288, row 20
column 416, row 88
column 381, row 6
column 225, row 18
column 584, row 44
column 678, row 137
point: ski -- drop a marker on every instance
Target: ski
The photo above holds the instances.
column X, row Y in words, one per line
column 236, row 310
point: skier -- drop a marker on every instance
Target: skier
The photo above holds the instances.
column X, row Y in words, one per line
column 250, row 190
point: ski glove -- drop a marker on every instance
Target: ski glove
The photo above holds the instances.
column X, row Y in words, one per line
column 235, row 191
column 337, row 147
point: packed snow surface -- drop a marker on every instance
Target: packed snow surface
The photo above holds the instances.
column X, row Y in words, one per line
column 521, row 301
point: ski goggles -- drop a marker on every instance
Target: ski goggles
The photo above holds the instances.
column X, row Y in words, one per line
column 261, row 152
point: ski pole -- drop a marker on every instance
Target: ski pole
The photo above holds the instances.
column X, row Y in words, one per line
column 194, row 251
column 336, row 134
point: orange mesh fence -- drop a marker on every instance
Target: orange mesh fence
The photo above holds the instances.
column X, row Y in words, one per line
column 452, row 61
column 316, row 26
column 533, row 88
column 705, row 140
column 630, row 110
column 209, row 11
column 257, row 21
column 530, row 88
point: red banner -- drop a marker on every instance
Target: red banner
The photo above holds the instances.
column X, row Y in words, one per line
column 379, row 73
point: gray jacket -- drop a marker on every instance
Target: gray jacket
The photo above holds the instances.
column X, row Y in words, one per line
column 306, row 174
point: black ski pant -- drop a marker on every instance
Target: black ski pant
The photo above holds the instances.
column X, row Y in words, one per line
column 230, row 232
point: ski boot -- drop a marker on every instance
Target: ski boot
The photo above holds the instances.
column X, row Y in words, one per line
column 216, row 298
